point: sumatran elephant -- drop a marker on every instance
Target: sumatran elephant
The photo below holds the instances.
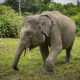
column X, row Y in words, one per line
column 47, row 30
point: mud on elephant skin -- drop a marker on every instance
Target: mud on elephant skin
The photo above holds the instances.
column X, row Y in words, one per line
column 48, row 29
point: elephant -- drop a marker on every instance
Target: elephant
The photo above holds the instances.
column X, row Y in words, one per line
column 50, row 29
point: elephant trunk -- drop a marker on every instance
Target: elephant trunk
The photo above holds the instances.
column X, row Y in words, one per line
column 19, row 51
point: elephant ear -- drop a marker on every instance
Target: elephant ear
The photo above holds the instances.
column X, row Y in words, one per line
column 45, row 24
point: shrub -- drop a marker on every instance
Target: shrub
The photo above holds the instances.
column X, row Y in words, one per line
column 76, row 18
column 10, row 22
column 51, row 7
column 71, row 10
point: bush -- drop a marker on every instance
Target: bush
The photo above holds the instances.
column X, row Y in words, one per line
column 51, row 7
column 76, row 18
column 10, row 22
column 71, row 10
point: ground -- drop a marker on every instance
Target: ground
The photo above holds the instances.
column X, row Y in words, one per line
column 31, row 67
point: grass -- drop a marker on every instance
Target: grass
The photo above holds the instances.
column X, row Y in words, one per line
column 31, row 64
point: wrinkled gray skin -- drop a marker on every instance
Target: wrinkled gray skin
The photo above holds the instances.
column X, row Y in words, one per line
column 49, row 29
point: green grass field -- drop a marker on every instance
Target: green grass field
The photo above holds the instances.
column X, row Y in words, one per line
column 31, row 64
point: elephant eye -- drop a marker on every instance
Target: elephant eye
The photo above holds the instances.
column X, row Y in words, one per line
column 43, row 23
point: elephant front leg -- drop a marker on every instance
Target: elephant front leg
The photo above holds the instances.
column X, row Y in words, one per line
column 56, row 47
column 68, row 54
column 51, row 59
column 17, row 56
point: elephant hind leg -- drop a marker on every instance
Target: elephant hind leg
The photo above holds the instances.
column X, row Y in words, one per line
column 68, row 54
column 44, row 51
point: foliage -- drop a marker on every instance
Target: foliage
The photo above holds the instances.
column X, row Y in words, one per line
column 76, row 18
column 12, row 3
column 29, row 7
column 35, row 6
column 26, row 5
column 10, row 22
column 71, row 10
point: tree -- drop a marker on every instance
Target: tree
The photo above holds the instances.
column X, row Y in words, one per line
column 19, row 7
column 78, row 2
column 13, row 3
column 45, row 1
column 24, row 5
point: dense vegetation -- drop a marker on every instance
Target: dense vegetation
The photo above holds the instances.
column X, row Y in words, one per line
column 10, row 21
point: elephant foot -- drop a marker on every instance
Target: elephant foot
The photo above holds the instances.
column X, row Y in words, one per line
column 49, row 67
column 47, row 71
